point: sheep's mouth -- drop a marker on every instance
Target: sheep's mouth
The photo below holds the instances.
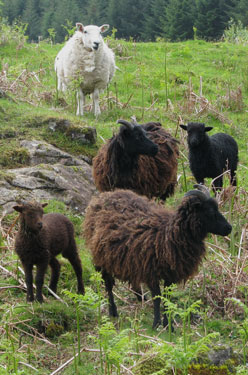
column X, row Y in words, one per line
column 95, row 48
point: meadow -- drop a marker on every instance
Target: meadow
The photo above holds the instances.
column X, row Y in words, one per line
column 166, row 82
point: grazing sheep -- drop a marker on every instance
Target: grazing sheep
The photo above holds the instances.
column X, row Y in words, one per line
column 136, row 240
column 210, row 156
column 86, row 57
column 39, row 240
column 142, row 158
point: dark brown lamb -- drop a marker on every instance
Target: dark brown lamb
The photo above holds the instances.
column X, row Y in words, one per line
column 136, row 240
column 142, row 158
column 39, row 240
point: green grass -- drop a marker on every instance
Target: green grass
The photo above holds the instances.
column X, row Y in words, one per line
column 148, row 73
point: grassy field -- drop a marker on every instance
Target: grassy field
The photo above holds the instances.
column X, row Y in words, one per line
column 166, row 82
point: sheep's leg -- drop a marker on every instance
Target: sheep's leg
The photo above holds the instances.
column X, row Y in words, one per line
column 39, row 280
column 28, row 269
column 96, row 106
column 156, row 305
column 80, row 102
column 55, row 268
column 109, row 283
column 233, row 178
column 165, row 318
column 77, row 266
column 217, row 184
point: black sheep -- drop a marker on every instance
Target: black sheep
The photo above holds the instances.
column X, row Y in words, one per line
column 135, row 240
column 142, row 158
column 211, row 156
column 39, row 240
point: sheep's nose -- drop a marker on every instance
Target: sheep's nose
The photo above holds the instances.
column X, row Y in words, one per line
column 96, row 45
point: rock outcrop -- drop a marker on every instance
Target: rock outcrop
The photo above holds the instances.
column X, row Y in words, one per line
column 52, row 174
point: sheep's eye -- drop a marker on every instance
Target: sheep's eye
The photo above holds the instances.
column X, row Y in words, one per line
column 85, row 31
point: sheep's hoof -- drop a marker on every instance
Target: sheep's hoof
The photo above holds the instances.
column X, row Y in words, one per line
column 39, row 299
column 81, row 291
column 30, row 298
column 156, row 324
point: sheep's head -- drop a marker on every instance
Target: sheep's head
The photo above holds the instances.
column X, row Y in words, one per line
column 31, row 214
column 206, row 211
column 91, row 36
column 134, row 140
column 196, row 132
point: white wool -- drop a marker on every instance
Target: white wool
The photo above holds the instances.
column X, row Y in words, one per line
column 80, row 59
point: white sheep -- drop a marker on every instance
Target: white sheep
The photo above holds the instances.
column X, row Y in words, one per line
column 87, row 58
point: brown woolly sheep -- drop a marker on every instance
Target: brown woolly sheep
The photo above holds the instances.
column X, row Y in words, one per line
column 39, row 240
column 136, row 240
column 142, row 158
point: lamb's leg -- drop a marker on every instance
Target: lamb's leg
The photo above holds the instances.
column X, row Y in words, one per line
column 77, row 266
column 80, row 102
column 109, row 283
column 55, row 271
column 96, row 106
column 39, row 280
column 156, row 305
column 28, row 269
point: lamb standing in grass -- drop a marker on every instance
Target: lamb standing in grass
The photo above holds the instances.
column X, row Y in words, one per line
column 39, row 240
column 86, row 58
column 136, row 240
column 211, row 156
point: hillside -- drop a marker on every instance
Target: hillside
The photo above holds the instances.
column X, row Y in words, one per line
column 166, row 82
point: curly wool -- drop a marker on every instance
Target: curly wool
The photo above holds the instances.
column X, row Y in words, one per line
column 139, row 241
column 151, row 176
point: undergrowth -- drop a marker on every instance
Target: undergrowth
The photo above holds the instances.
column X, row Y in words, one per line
column 166, row 82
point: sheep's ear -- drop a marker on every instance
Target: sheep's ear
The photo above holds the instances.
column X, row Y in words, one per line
column 80, row 27
column 44, row 204
column 104, row 28
column 184, row 127
column 208, row 128
column 18, row 208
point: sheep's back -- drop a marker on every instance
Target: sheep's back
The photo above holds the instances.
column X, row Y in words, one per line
column 120, row 230
column 59, row 232
column 226, row 148
column 160, row 169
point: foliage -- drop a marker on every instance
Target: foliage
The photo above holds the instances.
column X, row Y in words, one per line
column 236, row 33
column 140, row 20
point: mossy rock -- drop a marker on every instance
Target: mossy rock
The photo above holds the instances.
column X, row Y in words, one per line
column 219, row 360
column 15, row 158
column 150, row 364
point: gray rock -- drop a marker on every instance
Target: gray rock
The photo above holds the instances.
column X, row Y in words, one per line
column 53, row 174
column 42, row 152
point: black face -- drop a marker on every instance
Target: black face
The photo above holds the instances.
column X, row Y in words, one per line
column 196, row 134
column 214, row 221
column 136, row 141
